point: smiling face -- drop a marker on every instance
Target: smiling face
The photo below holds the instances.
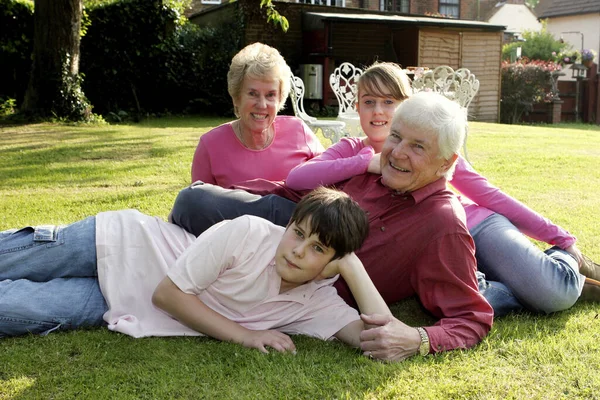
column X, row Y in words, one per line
column 376, row 111
column 257, row 104
column 410, row 159
column 300, row 257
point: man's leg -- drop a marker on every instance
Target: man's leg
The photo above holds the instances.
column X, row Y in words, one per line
column 42, row 307
column 201, row 205
column 541, row 281
column 46, row 252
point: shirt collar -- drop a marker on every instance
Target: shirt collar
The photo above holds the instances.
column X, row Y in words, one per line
column 421, row 194
column 303, row 293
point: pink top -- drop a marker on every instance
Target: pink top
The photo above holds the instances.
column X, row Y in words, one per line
column 221, row 159
column 229, row 267
column 479, row 198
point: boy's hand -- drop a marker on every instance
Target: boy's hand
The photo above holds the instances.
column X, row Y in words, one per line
column 274, row 339
column 337, row 266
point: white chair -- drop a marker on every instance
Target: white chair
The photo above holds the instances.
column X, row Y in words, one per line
column 332, row 130
column 460, row 86
column 344, row 81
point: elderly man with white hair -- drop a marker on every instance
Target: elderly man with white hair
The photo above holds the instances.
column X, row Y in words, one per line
column 418, row 243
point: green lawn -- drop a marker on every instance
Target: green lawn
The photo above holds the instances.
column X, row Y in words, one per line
column 52, row 173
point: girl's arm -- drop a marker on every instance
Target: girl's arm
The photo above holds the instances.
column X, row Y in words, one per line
column 192, row 312
column 339, row 162
column 366, row 295
column 478, row 189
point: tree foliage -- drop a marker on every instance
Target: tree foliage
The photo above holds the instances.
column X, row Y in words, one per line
column 537, row 45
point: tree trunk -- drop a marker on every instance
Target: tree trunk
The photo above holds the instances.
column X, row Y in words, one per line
column 54, row 84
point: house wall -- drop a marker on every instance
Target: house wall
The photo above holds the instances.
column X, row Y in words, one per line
column 588, row 24
column 517, row 18
column 463, row 49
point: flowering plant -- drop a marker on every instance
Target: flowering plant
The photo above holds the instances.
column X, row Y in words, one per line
column 566, row 57
column 588, row 55
column 525, row 83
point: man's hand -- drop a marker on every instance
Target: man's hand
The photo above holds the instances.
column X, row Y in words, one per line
column 375, row 164
column 388, row 339
column 274, row 339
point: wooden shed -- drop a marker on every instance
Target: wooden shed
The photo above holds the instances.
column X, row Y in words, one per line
column 328, row 36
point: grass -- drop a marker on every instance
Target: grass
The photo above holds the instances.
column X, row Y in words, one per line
column 52, row 173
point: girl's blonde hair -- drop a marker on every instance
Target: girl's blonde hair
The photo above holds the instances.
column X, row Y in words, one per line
column 383, row 79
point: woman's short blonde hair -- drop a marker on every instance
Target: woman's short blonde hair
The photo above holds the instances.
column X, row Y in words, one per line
column 259, row 61
column 385, row 78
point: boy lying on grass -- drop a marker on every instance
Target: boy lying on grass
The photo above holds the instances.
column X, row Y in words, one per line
column 245, row 280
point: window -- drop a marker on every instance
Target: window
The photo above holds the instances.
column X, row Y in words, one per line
column 451, row 8
column 399, row 6
column 337, row 3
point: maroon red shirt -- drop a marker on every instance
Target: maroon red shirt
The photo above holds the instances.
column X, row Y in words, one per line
column 418, row 244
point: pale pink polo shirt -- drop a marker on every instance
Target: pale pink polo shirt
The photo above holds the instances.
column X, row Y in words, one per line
column 229, row 267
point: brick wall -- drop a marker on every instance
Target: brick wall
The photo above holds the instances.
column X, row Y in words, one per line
column 468, row 8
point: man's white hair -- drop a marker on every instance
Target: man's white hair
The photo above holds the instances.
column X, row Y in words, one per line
column 435, row 114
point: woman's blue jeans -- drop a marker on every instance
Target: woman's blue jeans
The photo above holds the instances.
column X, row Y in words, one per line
column 49, row 279
column 518, row 275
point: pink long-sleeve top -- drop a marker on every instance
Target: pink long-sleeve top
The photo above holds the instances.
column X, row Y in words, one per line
column 479, row 197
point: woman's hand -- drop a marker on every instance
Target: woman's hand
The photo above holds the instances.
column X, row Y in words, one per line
column 574, row 250
column 274, row 339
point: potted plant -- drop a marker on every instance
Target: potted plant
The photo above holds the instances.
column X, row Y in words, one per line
column 568, row 56
column 587, row 57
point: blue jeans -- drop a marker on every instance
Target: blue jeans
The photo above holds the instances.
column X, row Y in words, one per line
column 49, row 279
column 514, row 274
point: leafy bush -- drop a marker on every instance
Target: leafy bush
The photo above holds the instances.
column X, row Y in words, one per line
column 16, row 46
column 143, row 57
column 525, row 83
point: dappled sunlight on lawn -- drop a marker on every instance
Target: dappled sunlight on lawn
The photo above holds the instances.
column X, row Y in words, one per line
column 14, row 388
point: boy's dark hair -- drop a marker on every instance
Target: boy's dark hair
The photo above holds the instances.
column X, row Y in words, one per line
column 338, row 221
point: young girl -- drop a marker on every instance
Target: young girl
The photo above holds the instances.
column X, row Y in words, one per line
column 519, row 275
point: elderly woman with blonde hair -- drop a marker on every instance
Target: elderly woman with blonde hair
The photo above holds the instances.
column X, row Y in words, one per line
column 259, row 144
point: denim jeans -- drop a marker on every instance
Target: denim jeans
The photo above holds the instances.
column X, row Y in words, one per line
column 49, row 279
column 514, row 274
column 201, row 205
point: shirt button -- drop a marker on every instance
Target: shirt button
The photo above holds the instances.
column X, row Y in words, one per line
column 382, row 229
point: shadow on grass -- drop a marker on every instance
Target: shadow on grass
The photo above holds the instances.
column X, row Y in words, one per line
column 84, row 157
column 189, row 121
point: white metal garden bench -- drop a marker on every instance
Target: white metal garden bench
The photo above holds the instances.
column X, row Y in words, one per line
column 343, row 81
column 333, row 130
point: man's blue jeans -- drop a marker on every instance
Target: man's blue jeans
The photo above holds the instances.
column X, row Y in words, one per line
column 49, row 279
column 518, row 275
